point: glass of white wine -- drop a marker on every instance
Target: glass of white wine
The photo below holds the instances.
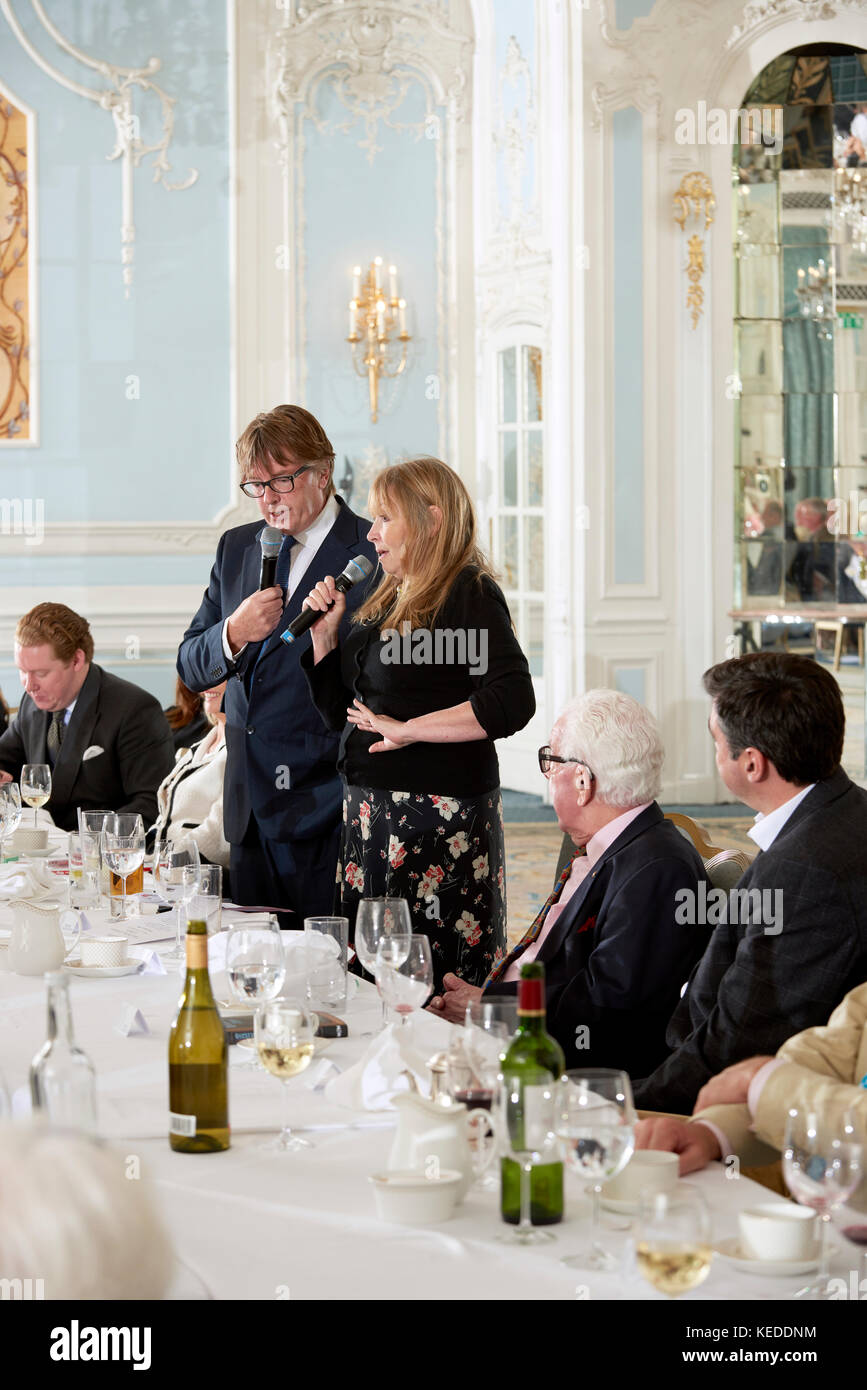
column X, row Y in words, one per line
column 672, row 1244
column 10, row 811
column 35, row 785
column 284, row 1032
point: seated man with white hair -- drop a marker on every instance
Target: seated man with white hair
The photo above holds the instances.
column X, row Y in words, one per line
column 611, row 936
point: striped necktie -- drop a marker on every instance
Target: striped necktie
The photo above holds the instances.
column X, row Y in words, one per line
column 532, row 934
column 56, row 730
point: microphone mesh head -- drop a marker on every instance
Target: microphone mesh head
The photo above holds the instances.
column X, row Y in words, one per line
column 359, row 568
column 271, row 540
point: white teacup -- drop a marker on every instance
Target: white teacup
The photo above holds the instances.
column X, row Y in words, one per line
column 648, row 1170
column 778, row 1231
column 103, row 952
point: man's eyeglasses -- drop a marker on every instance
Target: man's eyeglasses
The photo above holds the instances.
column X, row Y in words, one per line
column 284, row 483
column 548, row 760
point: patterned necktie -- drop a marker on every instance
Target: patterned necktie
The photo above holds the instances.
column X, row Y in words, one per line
column 56, row 730
column 284, row 559
column 281, row 578
column 530, row 936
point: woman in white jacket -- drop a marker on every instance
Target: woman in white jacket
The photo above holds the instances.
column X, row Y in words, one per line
column 190, row 799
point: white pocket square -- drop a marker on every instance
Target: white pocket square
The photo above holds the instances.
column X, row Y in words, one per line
column 92, row 752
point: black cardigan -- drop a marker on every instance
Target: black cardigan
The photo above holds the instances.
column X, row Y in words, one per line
column 373, row 668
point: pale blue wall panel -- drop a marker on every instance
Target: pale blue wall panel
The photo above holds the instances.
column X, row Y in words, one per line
column 628, row 366
column 630, row 681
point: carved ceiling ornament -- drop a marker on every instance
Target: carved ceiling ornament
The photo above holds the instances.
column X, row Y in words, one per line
column 760, row 12
column 370, row 58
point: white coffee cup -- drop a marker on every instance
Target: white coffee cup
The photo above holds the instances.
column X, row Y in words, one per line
column 103, row 952
column 648, row 1170
column 778, row 1231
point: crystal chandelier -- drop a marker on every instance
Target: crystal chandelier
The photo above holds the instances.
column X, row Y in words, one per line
column 815, row 291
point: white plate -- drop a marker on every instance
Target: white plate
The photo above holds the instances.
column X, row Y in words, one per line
column 98, row 972
column 730, row 1251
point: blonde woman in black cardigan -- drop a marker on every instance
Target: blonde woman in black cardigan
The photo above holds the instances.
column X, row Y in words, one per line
column 429, row 677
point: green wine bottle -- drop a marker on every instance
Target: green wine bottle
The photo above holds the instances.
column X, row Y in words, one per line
column 533, row 1060
column 198, row 1059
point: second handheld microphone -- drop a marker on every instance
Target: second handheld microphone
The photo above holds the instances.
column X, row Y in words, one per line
column 356, row 570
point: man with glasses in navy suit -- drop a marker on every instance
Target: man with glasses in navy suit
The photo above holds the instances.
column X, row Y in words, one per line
column 282, row 793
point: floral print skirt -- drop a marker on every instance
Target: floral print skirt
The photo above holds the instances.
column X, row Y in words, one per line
column 445, row 855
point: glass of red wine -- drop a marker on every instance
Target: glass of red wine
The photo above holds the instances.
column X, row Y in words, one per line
column 473, row 1076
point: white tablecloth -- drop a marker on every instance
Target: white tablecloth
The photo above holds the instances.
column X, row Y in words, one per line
column 257, row 1225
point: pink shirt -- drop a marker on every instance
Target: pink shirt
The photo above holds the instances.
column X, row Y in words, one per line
column 582, row 865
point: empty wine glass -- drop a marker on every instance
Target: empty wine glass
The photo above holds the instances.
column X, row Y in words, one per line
column 35, row 786
column 672, row 1248
column 408, row 986
column 176, row 871
column 10, row 811
column 380, row 920
column 822, row 1165
column 284, row 1031
column 123, row 840
column 596, row 1122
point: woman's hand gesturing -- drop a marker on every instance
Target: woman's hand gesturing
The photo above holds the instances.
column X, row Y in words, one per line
column 392, row 731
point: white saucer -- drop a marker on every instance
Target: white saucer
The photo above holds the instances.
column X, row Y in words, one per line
column 730, row 1251
column 98, row 972
column 618, row 1205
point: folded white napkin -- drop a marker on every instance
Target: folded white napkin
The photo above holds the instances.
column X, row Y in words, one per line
column 378, row 1076
column 33, row 881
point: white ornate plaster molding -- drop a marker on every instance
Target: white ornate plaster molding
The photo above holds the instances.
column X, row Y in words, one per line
column 760, row 15
column 117, row 98
column 515, row 136
column 686, row 14
column 643, row 94
column 369, row 58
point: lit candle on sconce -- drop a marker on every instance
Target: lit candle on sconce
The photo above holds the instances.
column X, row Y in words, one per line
column 801, row 278
column 401, row 304
column 377, row 270
column 380, row 317
column 392, row 278
column 356, row 282
column 353, row 314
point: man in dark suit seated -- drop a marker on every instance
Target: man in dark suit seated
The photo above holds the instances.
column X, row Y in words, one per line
column 794, row 938
column 282, row 796
column 614, row 935
column 106, row 740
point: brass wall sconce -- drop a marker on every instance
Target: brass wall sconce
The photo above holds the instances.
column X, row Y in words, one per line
column 694, row 198
column 378, row 321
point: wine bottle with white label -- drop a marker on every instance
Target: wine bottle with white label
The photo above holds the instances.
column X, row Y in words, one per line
column 533, row 1061
column 198, row 1058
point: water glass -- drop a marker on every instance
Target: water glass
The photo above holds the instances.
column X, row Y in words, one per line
column 90, row 827
column 822, row 1167
column 176, row 873
column 326, row 942
column 596, row 1122
column 10, row 811
column 206, row 903
column 123, row 848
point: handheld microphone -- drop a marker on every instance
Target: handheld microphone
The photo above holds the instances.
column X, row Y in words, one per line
column 357, row 569
column 270, row 540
